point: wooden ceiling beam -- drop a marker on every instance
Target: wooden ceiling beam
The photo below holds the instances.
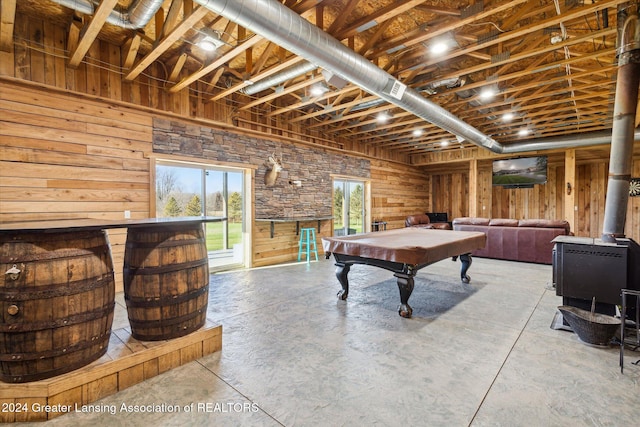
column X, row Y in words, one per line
column 177, row 67
column 342, row 17
column 286, row 90
column 530, row 72
column 166, row 42
column 272, row 70
column 348, row 88
column 7, row 22
column 342, row 106
column 90, row 32
column 266, row 54
column 213, row 81
column 377, row 35
column 515, row 34
column 420, row 35
column 173, row 15
column 436, row 10
column 462, row 102
column 218, row 62
column 379, row 16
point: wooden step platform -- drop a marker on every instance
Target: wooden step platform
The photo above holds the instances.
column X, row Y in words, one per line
column 127, row 362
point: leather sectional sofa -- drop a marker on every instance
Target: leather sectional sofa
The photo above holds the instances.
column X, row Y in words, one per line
column 423, row 221
column 527, row 240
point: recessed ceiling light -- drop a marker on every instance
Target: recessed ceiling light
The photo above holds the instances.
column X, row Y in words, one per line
column 318, row 89
column 523, row 132
column 211, row 40
column 442, row 44
column 487, row 93
column 507, row 117
column 207, row 45
column 383, row 117
column 417, row 132
column 444, row 143
column 439, row 48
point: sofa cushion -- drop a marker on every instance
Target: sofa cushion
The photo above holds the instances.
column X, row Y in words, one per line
column 471, row 221
column 545, row 223
column 503, row 222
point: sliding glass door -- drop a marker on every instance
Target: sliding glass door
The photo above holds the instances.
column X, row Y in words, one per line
column 193, row 190
column 348, row 207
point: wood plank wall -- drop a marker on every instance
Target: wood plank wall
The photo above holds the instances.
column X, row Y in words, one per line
column 39, row 56
column 67, row 157
column 450, row 194
column 398, row 191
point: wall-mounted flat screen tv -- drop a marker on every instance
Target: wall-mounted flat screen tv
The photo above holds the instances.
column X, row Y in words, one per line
column 522, row 172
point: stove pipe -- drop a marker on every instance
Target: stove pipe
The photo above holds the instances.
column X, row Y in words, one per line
column 624, row 114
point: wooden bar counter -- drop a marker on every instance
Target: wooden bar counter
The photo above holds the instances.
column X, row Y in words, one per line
column 69, row 225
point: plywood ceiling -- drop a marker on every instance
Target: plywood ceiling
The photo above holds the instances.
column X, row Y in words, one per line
column 551, row 62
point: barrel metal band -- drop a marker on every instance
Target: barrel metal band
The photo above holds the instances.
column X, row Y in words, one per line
column 101, row 339
column 58, row 323
column 145, row 271
column 53, row 372
column 28, row 293
column 167, row 322
column 146, row 302
column 57, row 254
column 154, row 337
column 165, row 244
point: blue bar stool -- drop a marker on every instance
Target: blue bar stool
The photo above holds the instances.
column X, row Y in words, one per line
column 307, row 243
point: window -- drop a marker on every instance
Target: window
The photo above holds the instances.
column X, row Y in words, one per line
column 184, row 189
column 348, row 207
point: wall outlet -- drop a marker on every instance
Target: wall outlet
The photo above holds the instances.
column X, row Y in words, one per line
column 127, row 214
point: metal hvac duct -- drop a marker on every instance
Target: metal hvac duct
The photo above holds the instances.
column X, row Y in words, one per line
column 137, row 16
column 568, row 141
column 289, row 73
column 281, row 25
column 276, row 22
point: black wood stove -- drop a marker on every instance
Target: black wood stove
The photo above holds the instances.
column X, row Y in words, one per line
column 586, row 268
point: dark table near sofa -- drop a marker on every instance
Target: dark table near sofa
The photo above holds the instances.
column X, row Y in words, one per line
column 402, row 251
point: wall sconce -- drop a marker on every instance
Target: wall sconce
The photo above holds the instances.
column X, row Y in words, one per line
column 296, row 183
column 568, row 188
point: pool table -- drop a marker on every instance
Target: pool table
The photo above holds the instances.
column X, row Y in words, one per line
column 402, row 251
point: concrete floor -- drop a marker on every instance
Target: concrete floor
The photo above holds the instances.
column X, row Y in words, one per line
column 481, row 354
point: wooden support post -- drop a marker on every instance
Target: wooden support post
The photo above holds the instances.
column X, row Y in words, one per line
column 473, row 188
column 570, row 187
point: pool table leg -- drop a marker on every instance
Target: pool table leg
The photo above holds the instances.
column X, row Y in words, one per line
column 405, row 285
column 466, row 260
column 341, row 273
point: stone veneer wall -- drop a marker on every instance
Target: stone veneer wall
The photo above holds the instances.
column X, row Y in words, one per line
column 312, row 166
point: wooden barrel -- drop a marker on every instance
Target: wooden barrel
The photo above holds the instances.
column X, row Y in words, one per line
column 56, row 301
column 166, row 280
